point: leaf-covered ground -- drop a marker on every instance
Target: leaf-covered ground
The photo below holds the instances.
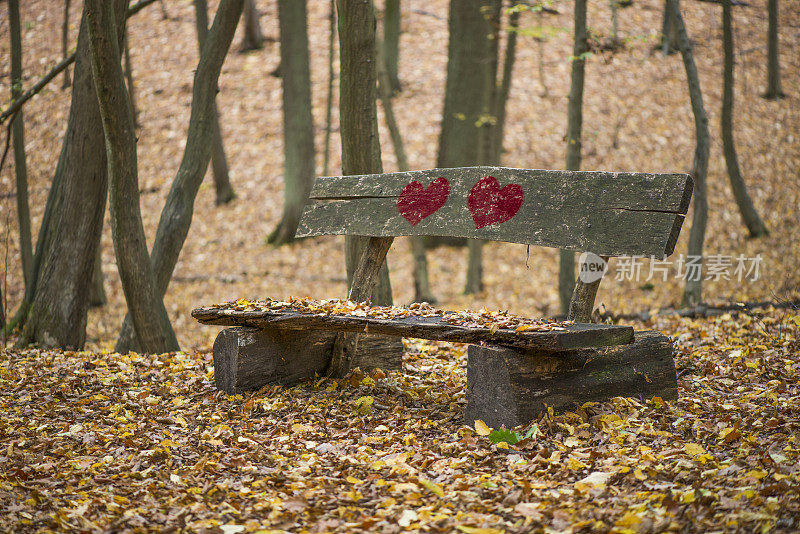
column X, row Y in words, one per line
column 109, row 442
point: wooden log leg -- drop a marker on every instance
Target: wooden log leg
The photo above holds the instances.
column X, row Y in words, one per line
column 249, row 358
column 510, row 387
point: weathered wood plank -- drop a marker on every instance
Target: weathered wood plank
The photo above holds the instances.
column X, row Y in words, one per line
column 250, row 358
column 572, row 337
column 609, row 214
column 510, row 387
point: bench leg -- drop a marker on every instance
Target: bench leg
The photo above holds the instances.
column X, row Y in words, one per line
column 249, row 358
column 510, row 387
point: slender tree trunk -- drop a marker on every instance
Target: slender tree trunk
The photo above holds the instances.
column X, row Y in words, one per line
column 361, row 150
column 176, row 217
column 298, row 124
column 138, row 281
column 463, row 99
column 747, row 210
column 505, row 85
column 329, row 98
column 57, row 299
column 97, row 293
column 669, row 33
column 65, row 43
column 391, row 42
column 219, row 163
column 540, row 62
column 18, row 135
column 490, row 13
column 693, row 290
column 361, row 154
column 422, row 290
column 129, row 78
column 614, row 22
column 566, row 271
column 164, row 13
column 774, row 91
column 253, row 38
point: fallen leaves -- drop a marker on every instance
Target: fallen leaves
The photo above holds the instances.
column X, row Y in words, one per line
column 85, row 447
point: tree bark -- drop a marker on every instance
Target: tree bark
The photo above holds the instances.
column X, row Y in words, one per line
column 669, row 32
column 774, row 91
column 298, row 124
column 65, row 42
column 422, row 290
column 130, row 245
column 391, row 42
column 129, row 78
column 219, row 163
column 176, row 217
column 329, row 98
column 253, row 38
column 693, row 290
column 566, row 271
column 18, row 136
column 97, row 293
column 505, row 84
column 490, row 14
column 361, row 154
column 463, row 100
column 747, row 210
column 57, row 301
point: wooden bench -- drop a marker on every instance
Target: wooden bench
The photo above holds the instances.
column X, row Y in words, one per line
column 511, row 376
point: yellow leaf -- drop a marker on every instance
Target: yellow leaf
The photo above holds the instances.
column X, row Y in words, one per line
column 575, row 465
column 756, row 473
column 688, row 497
column 353, row 480
column 479, row 530
column 639, row 474
column 481, row 428
column 299, row 428
column 694, row 449
column 630, row 519
column 363, row 405
column 432, row 486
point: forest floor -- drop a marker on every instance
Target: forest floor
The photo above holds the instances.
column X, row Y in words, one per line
column 96, row 440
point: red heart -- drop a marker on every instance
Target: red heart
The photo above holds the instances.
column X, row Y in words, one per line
column 416, row 202
column 491, row 205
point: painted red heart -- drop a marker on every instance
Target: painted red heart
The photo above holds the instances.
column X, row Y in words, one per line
column 489, row 204
column 416, row 202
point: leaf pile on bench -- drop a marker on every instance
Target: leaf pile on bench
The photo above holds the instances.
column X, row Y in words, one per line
column 491, row 320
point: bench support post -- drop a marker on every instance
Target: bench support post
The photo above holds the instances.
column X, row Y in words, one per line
column 365, row 277
column 248, row 358
column 510, row 387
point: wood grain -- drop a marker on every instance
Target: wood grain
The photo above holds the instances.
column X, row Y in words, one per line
column 611, row 214
column 572, row 337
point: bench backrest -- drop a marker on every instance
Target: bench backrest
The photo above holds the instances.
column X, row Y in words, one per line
column 608, row 213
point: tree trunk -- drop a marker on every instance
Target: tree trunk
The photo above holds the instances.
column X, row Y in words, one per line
column 130, row 245
column 18, row 135
column 463, row 99
column 253, row 38
column 97, row 293
column 774, row 91
column 693, row 290
column 490, row 14
column 129, row 78
column 329, row 98
column 57, row 301
column 747, row 210
column 361, row 151
column 422, row 290
column 298, row 124
column 176, row 217
column 505, row 85
column 65, row 43
column 391, row 42
column 361, row 154
column 669, row 33
column 219, row 163
column 566, row 271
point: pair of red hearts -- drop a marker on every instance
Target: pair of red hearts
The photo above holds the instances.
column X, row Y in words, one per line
column 487, row 201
